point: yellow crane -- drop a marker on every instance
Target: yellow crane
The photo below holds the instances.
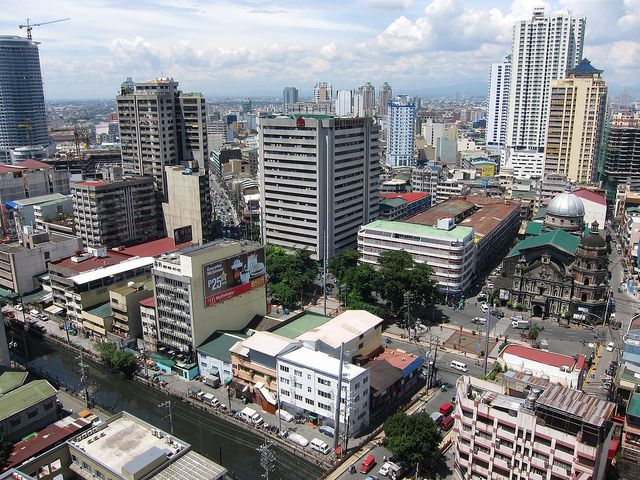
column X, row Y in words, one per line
column 29, row 25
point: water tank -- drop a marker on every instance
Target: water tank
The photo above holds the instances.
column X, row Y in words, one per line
column 545, row 377
column 536, row 392
column 187, row 171
column 131, row 284
column 530, row 401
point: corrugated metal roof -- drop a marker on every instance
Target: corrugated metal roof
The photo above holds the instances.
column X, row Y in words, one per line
column 590, row 409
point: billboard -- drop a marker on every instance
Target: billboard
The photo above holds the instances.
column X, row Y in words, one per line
column 232, row 276
column 182, row 235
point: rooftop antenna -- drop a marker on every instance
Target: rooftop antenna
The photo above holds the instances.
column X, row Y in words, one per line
column 29, row 26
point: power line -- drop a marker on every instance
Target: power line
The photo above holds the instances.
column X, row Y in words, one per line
column 169, row 406
column 267, row 459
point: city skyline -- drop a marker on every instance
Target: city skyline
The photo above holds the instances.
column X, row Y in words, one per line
column 257, row 48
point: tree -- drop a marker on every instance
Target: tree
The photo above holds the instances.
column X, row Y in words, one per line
column 343, row 263
column 106, row 351
column 534, row 332
column 413, row 439
column 125, row 362
column 6, row 447
column 290, row 274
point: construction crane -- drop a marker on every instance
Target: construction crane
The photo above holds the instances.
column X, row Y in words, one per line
column 29, row 26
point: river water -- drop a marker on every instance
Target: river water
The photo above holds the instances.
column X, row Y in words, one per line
column 213, row 437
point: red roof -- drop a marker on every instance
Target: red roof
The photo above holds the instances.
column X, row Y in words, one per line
column 396, row 358
column 91, row 183
column 591, row 196
column 548, row 358
column 31, row 163
column 92, row 263
column 153, row 248
column 45, row 439
column 408, row 197
column 148, row 302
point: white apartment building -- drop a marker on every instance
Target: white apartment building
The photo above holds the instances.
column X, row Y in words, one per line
column 401, row 133
column 534, row 431
column 344, row 103
column 317, row 176
column 149, row 324
column 425, row 179
column 322, row 92
column 543, row 49
column 498, row 104
column 450, row 188
column 449, row 250
column 217, row 286
column 308, row 383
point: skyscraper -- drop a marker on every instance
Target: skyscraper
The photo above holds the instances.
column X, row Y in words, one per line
column 289, row 96
column 385, row 94
column 365, row 101
column 543, row 49
column 322, row 92
column 498, row 104
column 344, row 103
column 312, row 181
column 400, row 136
column 576, row 116
column 621, row 156
column 23, row 118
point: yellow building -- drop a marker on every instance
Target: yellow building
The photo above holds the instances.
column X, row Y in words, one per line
column 576, row 116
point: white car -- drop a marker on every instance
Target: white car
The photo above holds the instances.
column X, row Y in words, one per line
column 479, row 320
column 384, row 469
column 484, row 307
column 610, row 346
column 284, row 415
column 298, row 439
column 18, row 307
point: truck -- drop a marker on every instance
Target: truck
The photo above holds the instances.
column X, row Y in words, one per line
column 250, row 415
column 519, row 322
column 207, row 398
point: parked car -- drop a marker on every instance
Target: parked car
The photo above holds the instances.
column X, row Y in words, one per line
column 447, row 423
column 479, row 320
column 327, row 430
column 44, row 317
column 284, row 415
column 610, row 346
column 484, row 307
column 18, row 307
column 298, row 439
column 367, row 464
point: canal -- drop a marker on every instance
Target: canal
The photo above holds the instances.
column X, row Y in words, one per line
column 213, row 437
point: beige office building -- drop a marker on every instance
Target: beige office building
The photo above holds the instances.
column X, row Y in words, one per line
column 576, row 116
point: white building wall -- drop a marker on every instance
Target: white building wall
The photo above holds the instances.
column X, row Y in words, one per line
column 344, row 103
column 401, row 134
column 498, row 105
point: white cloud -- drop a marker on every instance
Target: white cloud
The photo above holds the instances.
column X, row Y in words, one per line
column 389, row 4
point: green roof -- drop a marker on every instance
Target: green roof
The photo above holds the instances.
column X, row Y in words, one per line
column 8, row 294
column 558, row 238
column 24, row 397
column 533, row 228
column 393, row 202
column 542, row 213
column 456, row 233
column 35, row 297
column 302, row 325
column 218, row 345
column 162, row 360
column 317, row 116
column 102, row 310
column 633, row 408
column 633, row 210
column 11, row 380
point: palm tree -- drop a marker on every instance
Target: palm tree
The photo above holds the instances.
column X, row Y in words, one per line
column 534, row 332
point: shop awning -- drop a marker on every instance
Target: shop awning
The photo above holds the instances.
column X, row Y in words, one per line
column 228, row 379
column 213, row 370
column 54, row 309
column 4, row 293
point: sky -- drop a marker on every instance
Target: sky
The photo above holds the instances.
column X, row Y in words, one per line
column 256, row 47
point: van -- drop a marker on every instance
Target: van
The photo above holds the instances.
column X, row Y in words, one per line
column 437, row 418
column 35, row 313
column 327, row 430
column 298, row 439
column 447, row 423
column 320, row 446
column 284, row 415
column 456, row 365
column 446, row 409
column 367, row 464
column 247, row 414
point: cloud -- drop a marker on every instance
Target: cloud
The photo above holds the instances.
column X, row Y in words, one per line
column 389, row 4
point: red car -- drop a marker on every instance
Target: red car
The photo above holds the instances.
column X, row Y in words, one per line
column 9, row 314
column 367, row 464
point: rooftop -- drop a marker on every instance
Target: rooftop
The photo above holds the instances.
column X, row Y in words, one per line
column 102, row 310
column 456, row 233
column 489, row 217
column 589, row 408
column 91, row 262
column 557, row 360
column 383, row 375
column 148, row 302
column 558, row 238
column 343, row 328
column 39, row 200
column 450, row 208
column 136, row 287
column 408, row 197
column 11, row 380
column 218, row 344
column 534, row 228
column 124, row 441
column 153, row 248
column 24, row 397
column 592, row 196
column 124, row 266
column 633, row 408
column 267, row 343
column 89, row 183
column 192, row 466
column 300, row 325
column 400, row 359
column 321, row 362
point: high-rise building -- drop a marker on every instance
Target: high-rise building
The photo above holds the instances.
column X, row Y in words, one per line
column 621, row 155
column 576, row 117
column 498, row 104
column 115, row 213
column 188, row 212
column 314, row 182
column 344, row 103
column 289, row 96
column 23, row 118
column 385, row 95
column 365, row 101
column 160, row 127
column 400, row 135
column 543, row 49
column 322, row 92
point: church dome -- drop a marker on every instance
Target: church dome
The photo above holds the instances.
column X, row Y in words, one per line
column 566, row 204
column 593, row 239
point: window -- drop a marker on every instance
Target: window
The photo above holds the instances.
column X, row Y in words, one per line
column 298, row 385
column 284, row 369
column 308, row 376
column 324, row 394
column 284, row 392
column 561, row 464
column 308, row 401
column 324, row 382
column 297, row 373
column 284, row 380
column 542, row 440
column 324, row 406
column 308, row 389
column 298, row 397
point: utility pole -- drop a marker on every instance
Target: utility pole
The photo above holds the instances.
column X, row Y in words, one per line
column 488, row 329
column 83, row 378
column 267, row 459
column 338, row 400
column 169, row 406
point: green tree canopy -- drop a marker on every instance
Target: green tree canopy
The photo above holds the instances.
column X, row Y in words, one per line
column 106, row 351
column 534, row 331
column 343, row 263
column 125, row 362
column 413, row 439
column 290, row 274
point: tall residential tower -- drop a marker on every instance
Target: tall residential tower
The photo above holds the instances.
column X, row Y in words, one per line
column 289, row 97
column 400, row 135
column 498, row 105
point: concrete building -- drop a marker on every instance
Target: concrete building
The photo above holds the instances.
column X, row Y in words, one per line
column 289, row 96
column 214, row 356
column 344, row 103
column 188, row 211
column 398, row 206
column 192, row 127
column 450, row 189
column 202, row 289
column 22, row 263
column 308, row 383
column 27, row 409
column 426, row 179
column 149, row 324
column 536, row 430
column 543, row 49
column 498, row 105
column 23, row 212
column 23, row 118
column 595, row 205
column 551, row 185
column 125, row 309
column 312, row 108
column 117, row 213
column 365, row 101
column 400, row 136
column 31, row 178
column 621, row 159
column 312, row 182
column 630, row 445
column 322, row 92
column 385, row 94
column 576, row 116
column 449, row 250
